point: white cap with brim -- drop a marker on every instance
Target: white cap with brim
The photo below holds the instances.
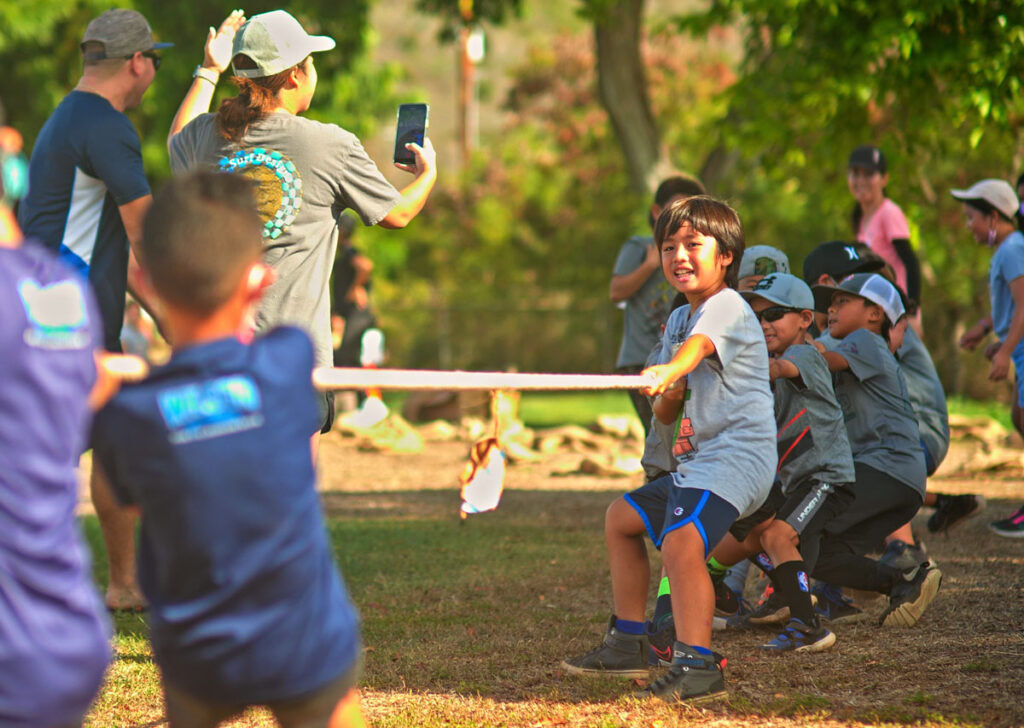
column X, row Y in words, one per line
column 995, row 192
column 762, row 260
column 275, row 42
column 782, row 289
column 871, row 286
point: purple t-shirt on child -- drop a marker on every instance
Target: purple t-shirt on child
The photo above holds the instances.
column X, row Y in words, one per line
column 53, row 628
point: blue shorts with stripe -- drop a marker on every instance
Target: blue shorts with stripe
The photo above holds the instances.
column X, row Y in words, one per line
column 664, row 506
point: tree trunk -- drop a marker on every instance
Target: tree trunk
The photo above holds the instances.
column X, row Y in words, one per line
column 623, row 91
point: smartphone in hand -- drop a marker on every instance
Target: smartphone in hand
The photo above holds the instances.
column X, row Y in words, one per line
column 411, row 127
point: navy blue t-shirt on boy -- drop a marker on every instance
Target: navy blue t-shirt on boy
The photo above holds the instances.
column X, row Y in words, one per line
column 53, row 627
column 86, row 162
column 245, row 600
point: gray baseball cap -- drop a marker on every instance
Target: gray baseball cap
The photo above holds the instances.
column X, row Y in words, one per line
column 782, row 289
column 871, row 286
column 761, row 260
column 122, row 33
column 275, row 42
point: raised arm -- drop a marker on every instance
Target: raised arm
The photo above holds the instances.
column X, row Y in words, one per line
column 624, row 286
column 216, row 58
column 414, row 195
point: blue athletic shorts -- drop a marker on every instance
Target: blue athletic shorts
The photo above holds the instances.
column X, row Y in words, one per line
column 664, row 506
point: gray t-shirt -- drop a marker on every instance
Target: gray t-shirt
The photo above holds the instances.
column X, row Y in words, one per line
column 724, row 439
column 812, row 439
column 306, row 173
column 656, row 459
column 879, row 420
column 927, row 398
column 647, row 309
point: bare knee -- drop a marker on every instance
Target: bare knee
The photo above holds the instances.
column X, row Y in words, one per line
column 779, row 535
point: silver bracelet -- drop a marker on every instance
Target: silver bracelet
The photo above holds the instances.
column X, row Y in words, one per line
column 206, row 74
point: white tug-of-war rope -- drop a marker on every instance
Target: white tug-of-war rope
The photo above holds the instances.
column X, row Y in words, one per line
column 427, row 379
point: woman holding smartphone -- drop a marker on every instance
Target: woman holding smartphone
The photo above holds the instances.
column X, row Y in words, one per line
column 305, row 172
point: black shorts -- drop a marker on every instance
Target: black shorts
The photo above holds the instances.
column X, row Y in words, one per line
column 665, row 507
column 743, row 526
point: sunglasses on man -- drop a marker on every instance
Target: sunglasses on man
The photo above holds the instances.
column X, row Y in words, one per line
column 151, row 55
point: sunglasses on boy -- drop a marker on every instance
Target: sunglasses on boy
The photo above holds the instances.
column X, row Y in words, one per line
column 151, row 55
column 774, row 313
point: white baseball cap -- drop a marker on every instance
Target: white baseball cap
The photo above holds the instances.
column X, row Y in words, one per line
column 871, row 286
column 275, row 42
column 996, row 192
column 762, row 260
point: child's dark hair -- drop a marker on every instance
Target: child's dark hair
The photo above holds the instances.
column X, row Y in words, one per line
column 986, row 208
column 675, row 186
column 710, row 217
column 199, row 237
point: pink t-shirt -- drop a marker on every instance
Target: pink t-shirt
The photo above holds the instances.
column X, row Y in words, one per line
column 878, row 231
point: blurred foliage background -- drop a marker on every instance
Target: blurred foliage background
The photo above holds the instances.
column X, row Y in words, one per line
column 509, row 264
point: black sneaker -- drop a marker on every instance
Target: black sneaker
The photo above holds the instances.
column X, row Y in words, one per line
column 954, row 510
column 770, row 609
column 834, row 606
column 661, row 637
column 691, row 678
column 727, row 603
column 1012, row 526
column 911, row 596
column 799, row 637
column 902, row 555
column 620, row 655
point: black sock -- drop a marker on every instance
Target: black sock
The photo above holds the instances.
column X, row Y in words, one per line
column 791, row 583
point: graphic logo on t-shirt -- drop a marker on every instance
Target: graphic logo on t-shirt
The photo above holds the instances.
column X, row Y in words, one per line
column 277, row 182
column 56, row 315
column 683, row 448
column 205, row 410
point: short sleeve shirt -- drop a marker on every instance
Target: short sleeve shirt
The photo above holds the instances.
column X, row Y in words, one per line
column 1007, row 265
column 306, row 173
column 812, row 441
column 85, row 164
column 647, row 309
column 724, row 439
column 53, row 628
column 880, row 423
column 927, row 397
column 246, row 604
column 878, row 231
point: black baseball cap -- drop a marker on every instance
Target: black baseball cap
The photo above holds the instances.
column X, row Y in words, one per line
column 869, row 158
column 840, row 259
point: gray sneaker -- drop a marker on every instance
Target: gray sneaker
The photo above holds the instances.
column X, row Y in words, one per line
column 911, row 596
column 620, row 655
column 691, row 678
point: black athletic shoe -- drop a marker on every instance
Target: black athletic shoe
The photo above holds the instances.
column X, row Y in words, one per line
column 834, row 606
column 911, row 596
column 954, row 510
column 661, row 637
column 770, row 609
column 619, row 655
column 727, row 603
column 902, row 555
column 691, row 678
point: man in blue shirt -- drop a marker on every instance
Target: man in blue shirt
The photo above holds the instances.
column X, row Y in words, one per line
column 87, row 197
